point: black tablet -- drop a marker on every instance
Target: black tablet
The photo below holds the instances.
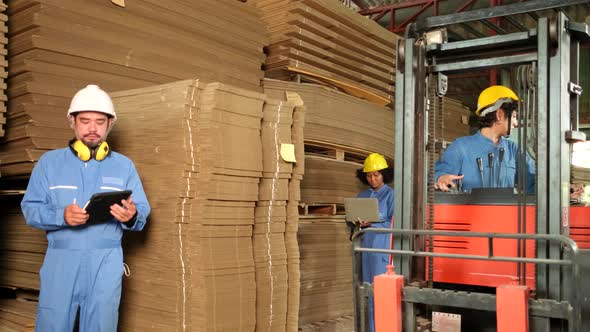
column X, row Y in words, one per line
column 99, row 205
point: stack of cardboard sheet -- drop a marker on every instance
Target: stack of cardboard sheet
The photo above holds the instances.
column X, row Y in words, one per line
column 60, row 46
column 326, row 261
column 581, row 175
column 326, row 268
column 329, row 180
column 283, row 150
column 340, row 120
column 329, row 42
column 340, row 324
column 17, row 315
column 22, row 247
column 3, row 66
column 292, row 226
column 198, row 151
column 340, row 131
column 270, row 253
column 455, row 120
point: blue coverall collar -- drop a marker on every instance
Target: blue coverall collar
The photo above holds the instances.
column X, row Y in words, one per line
column 380, row 190
column 480, row 136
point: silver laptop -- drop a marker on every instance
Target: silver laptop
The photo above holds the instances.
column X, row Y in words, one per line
column 365, row 209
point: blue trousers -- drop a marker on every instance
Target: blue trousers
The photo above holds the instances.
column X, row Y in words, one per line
column 86, row 279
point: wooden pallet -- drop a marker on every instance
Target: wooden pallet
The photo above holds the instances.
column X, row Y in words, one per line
column 306, row 209
column 335, row 152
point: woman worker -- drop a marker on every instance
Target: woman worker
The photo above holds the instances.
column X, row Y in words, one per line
column 376, row 174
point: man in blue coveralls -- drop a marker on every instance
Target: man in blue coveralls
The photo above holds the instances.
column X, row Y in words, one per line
column 83, row 266
column 469, row 158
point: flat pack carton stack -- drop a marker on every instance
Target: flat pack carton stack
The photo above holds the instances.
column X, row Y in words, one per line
column 22, row 247
column 327, row 41
column 330, row 181
column 3, row 65
column 59, row 46
column 454, row 122
column 291, row 242
column 326, row 268
column 340, row 120
column 197, row 148
column 345, row 124
column 284, row 163
column 270, row 253
column 17, row 315
column 581, row 175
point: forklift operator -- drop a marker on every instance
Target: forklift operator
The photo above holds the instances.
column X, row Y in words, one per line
column 486, row 159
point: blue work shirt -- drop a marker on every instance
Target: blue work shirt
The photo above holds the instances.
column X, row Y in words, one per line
column 60, row 179
column 375, row 264
column 460, row 158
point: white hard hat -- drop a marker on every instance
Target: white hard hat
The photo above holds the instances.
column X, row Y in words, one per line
column 92, row 98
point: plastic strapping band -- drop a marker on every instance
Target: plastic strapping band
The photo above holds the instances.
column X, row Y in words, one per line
column 126, row 269
column 270, row 208
column 188, row 185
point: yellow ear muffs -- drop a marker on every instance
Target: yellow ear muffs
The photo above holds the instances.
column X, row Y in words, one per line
column 102, row 151
column 84, row 153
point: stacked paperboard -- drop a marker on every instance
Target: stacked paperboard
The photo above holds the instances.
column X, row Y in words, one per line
column 346, row 125
column 329, row 180
column 329, row 42
column 326, row 261
column 198, row 151
column 581, row 175
column 60, row 46
column 276, row 251
column 454, row 122
column 339, row 119
column 22, row 247
column 17, row 315
column 326, row 268
column 3, row 66
column 270, row 253
column 292, row 226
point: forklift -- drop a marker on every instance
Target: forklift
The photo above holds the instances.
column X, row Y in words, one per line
column 491, row 259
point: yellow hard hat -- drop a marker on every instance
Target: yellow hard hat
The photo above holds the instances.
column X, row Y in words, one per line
column 492, row 98
column 374, row 162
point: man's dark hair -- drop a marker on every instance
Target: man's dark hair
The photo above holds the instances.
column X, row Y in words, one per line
column 387, row 174
column 489, row 119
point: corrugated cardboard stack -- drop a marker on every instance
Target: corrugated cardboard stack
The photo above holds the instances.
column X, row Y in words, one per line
column 346, row 123
column 291, row 230
column 339, row 119
column 59, row 46
column 277, row 211
column 581, row 175
column 22, row 247
column 270, row 253
column 17, row 315
column 329, row 42
column 197, row 148
column 326, row 268
column 329, row 180
column 326, row 260
column 455, row 120
column 3, row 66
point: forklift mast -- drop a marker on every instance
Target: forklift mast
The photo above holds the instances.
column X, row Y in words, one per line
column 545, row 59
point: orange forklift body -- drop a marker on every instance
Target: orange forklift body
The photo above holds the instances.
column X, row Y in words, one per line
column 494, row 219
